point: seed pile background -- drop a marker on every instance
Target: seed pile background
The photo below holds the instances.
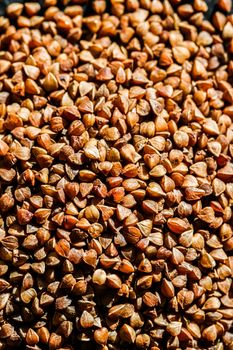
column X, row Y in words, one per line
column 116, row 146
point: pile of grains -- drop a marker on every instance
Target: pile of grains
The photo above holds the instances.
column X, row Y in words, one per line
column 116, row 147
